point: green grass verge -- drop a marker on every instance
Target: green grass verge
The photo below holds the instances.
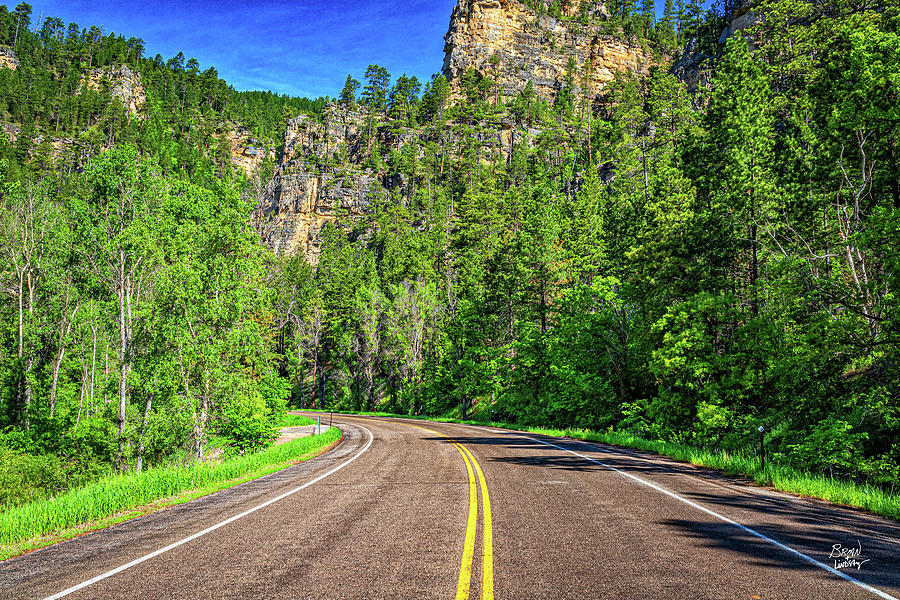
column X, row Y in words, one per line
column 120, row 497
column 782, row 477
column 289, row 420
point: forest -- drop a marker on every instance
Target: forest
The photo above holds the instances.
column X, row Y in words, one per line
column 679, row 264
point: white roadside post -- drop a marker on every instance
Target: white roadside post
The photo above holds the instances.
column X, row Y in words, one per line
column 762, row 448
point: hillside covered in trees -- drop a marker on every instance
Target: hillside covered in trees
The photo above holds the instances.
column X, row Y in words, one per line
column 679, row 262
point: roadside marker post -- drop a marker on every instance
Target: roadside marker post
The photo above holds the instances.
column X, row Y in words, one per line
column 762, row 448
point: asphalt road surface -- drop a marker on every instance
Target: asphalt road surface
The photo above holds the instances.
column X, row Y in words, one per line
column 410, row 509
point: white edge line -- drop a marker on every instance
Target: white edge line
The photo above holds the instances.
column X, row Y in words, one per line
column 190, row 538
column 752, row 532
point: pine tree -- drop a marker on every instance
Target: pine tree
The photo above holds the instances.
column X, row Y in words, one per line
column 375, row 92
column 741, row 125
column 648, row 16
column 348, row 92
column 668, row 23
column 682, row 19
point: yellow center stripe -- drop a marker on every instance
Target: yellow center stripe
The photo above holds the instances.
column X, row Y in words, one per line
column 465, row 570
column 487, row 550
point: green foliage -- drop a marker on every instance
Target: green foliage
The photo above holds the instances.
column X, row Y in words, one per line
column 645, row 262
column 192, row 108
column 109, row 496
column 375, row 93
column 348, row 92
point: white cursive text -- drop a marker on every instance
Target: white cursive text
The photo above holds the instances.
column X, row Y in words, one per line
column 846, row 558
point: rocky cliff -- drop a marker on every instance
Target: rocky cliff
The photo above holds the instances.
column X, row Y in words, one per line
column 247, row 151
column 326, row 173
column 510, row 43
column 318, row 180
column 742, row 19
column 124, row 84
column 694, row 67
column 8, row 58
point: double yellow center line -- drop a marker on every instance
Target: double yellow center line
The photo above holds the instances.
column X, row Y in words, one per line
column 474, row 471
column 487, row 544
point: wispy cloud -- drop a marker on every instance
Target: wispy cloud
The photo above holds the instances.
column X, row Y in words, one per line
column 303, row 47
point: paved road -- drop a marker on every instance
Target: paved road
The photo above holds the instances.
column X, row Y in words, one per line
column 426, row 510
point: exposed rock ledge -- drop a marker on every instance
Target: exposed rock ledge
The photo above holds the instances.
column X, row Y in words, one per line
column 535, row 48
column 8, row 58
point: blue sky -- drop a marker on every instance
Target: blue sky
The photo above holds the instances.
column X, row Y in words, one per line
column 302, row 48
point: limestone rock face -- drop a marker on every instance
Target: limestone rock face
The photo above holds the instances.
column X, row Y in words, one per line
column 247, row 152
column 318, row 181
column 125, row 84
column 535, row 48
column 693, row 67
column 690, row 67
column 301, row 203
column 325, row 174
column 742, row 18
column 11, row 131
column 8, row 58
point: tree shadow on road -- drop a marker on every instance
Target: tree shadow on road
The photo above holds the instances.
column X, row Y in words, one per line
column 809, row 526
column 878, row 561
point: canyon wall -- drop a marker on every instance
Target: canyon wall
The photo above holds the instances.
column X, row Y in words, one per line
column 8, row 58
column 509, row 42
column 326, row 175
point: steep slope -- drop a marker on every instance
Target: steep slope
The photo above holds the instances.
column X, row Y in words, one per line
column 123, row 83
column 326, row 173
column 8, row 58
column 318, row 180
column 693, row 67
column 509, row 42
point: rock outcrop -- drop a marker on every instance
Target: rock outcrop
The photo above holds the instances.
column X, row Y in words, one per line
column 11, row 131
column 510, row 43
column 302, row 203
column 247, row 152
column 693, row 67
column 8, row 58
column 327, row 172
column 124, row 84
column 743, row 18
column 318, row 180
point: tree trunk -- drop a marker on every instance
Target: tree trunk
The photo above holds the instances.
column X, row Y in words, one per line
column 140, row 448
column 314, row 374
column 65, row 329
column 23, row 396
column 124, row 359
column 93, row 360
column 80, row 398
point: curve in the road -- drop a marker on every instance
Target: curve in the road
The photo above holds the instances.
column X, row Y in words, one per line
column 571, row 520
column 208, row 530
column 716, row 515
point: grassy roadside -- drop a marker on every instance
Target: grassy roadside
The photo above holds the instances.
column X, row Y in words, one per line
column 781, row 477
column 121, row 497
column 289, row 420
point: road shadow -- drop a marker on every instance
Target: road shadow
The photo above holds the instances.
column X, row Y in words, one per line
column 637, row 462
column 877, row 562
column 809, row 526
column 537, row 458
